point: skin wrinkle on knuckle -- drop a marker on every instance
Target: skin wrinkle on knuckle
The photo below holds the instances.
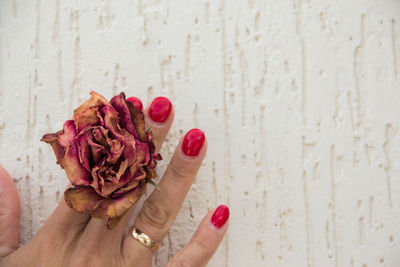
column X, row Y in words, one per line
column 154, row 213
column 187, row 258
column 179, row 172
column 204, row 245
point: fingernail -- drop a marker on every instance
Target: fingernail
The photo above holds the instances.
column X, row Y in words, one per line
column 220, row 216
column 136, row 102
column 160, row 109
column 192, row 142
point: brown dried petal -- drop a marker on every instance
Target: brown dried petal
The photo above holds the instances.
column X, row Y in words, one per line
column 96, row 100
column 137, row 118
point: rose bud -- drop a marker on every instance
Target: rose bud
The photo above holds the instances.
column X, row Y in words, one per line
column 107, row 155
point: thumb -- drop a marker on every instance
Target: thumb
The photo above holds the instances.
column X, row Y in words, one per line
column 10, row 211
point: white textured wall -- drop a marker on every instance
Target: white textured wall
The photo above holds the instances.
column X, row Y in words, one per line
column 299, row 101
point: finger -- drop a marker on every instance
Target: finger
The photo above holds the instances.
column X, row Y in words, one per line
column 205, row 241
column 10, row 211
column 159, row 115
column 64, row 220
column 160, row 209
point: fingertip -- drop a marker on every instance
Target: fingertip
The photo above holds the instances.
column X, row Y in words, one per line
column 159, row 127
column 205, row 241
column 220, row 216
column 214, row 225
column 193, row 146
column 193, row 142
column 160, row 109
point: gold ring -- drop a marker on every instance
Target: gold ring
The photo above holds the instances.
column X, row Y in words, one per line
column 144, row 239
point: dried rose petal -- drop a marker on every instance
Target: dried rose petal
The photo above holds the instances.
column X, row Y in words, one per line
column 107, row 155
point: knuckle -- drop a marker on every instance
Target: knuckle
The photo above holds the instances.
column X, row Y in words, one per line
column 204, row 246
column 154, row 213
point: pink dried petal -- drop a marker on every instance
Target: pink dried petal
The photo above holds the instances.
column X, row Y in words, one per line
column 119, row 103
column 67, row 136
column 52, row 139
column 76, row 173
column 84, row 151
column 142, row 153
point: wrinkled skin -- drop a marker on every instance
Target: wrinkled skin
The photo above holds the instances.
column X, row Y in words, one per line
column 107, row 155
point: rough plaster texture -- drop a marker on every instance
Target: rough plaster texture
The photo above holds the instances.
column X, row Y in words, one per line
column 299, row 101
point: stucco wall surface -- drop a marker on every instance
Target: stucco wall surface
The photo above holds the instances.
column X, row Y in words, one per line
column 300, row 102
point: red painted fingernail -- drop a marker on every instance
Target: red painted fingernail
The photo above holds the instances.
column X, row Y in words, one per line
column 160, row 109
column 136, row 102
column 192, row 142
column 220, row 216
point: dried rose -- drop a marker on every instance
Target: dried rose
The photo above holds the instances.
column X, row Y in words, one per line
column 107, row 155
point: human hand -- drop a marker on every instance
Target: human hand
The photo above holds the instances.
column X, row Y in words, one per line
column 69, row 238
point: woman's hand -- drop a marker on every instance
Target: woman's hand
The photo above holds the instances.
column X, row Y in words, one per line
column 69, row 238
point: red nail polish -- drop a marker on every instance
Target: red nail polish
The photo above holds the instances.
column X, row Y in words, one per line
column 192, row 142
column 220, row 216
column 160, row 109
column 136, row 102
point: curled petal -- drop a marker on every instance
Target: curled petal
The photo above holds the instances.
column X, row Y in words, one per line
column 88, row 117
column 68, row 134
column 142, row 153
column 116, row 150
column 150, row 173
column 101, row 135
column 157, row 156
column 125, row 183
column 108, row 188
column 69, row 160
column 83, row 199
column 84, row 150
column 76, row 173
column 96, row 100
column 133, row 181
column 122, row 168
column 111, row 122
column 98, row 181
column 96, row 150
column 52, row 139
column 119, row 103
column 137, row 117
column 111, row 208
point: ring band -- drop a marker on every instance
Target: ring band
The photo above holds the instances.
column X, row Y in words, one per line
column 144, row 239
